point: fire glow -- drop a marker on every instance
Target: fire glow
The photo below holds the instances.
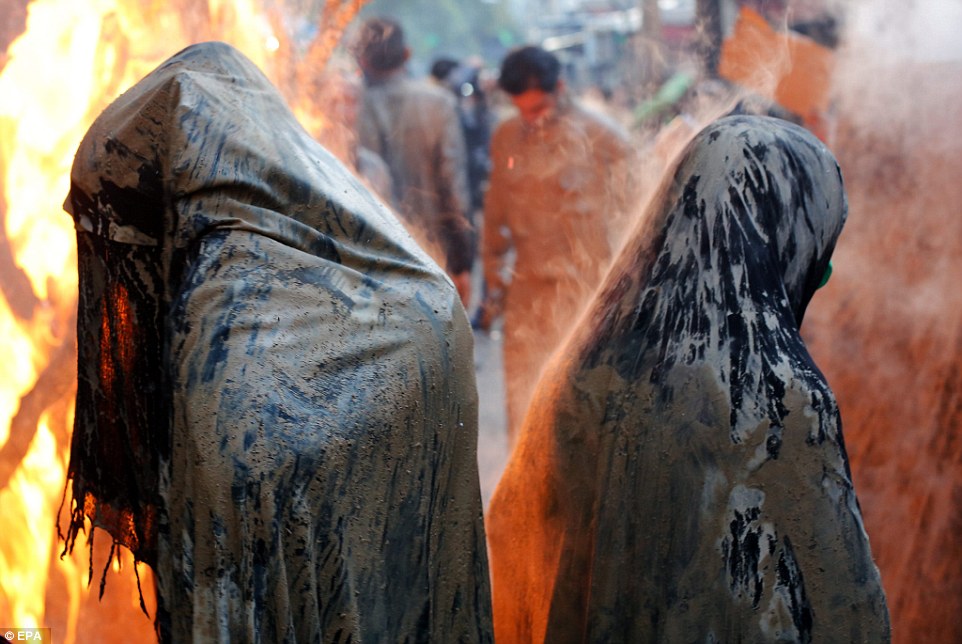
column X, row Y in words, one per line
column 72, row 59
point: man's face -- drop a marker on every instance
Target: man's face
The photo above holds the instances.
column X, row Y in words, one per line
column 535, row 105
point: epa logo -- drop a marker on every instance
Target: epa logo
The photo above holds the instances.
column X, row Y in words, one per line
column 38, row 635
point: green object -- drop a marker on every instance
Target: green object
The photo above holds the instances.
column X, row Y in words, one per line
column 672, row 91
column 828, row 274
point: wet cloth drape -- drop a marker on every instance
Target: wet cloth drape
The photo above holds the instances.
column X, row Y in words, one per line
column 276, row 402
column 681, row 474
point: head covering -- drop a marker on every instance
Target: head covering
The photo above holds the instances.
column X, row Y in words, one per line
column 681, row 474
column 276, row 403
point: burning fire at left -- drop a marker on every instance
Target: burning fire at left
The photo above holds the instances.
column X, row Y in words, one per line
column 68, row 62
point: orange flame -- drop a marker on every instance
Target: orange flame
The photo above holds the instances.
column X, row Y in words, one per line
column 72, row 59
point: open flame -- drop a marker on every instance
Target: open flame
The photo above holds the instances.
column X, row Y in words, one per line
column 72, row 59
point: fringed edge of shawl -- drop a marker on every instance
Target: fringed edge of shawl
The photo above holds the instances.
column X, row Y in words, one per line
column 77, row 523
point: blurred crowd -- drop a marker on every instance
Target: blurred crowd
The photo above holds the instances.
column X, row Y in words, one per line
column 519, row 183
column 518, row 190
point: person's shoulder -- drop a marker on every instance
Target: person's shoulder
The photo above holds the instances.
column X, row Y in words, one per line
column 506, row 136
column 507, row 127
column 429, row 92
column 423, row 90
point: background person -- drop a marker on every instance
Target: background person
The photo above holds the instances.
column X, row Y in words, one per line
column 413, row 126
column 561, row 191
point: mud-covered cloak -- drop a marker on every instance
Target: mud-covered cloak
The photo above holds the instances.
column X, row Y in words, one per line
column 276, row 403
column 681, row 474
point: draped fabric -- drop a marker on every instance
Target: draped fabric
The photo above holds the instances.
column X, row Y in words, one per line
column 276, row 404
column 681, row 474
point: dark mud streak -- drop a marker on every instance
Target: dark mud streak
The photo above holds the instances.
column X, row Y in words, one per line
column 789, row 580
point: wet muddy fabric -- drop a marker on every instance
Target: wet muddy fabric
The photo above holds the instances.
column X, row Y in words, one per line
column 559, row 197
column 276, row 404
column 681, row 474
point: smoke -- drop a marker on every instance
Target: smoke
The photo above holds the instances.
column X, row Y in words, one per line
column 898, row 132
column 887, row 330
column 909, row 31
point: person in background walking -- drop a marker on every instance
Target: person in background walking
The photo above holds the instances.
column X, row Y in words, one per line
column 413, row 125
column 562, row 188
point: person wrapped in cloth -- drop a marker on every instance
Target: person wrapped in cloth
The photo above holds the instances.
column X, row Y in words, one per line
column 276, row 402
column 681, row 475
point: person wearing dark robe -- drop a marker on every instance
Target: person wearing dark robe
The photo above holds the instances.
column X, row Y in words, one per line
column 276, row 403
column 681, row 474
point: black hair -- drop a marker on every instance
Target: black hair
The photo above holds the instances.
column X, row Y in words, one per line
column 380, row 44
column 529, row 68
column 442, row 67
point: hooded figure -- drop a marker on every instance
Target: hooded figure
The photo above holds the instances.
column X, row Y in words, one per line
column 276, row 403
column 681, row 474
